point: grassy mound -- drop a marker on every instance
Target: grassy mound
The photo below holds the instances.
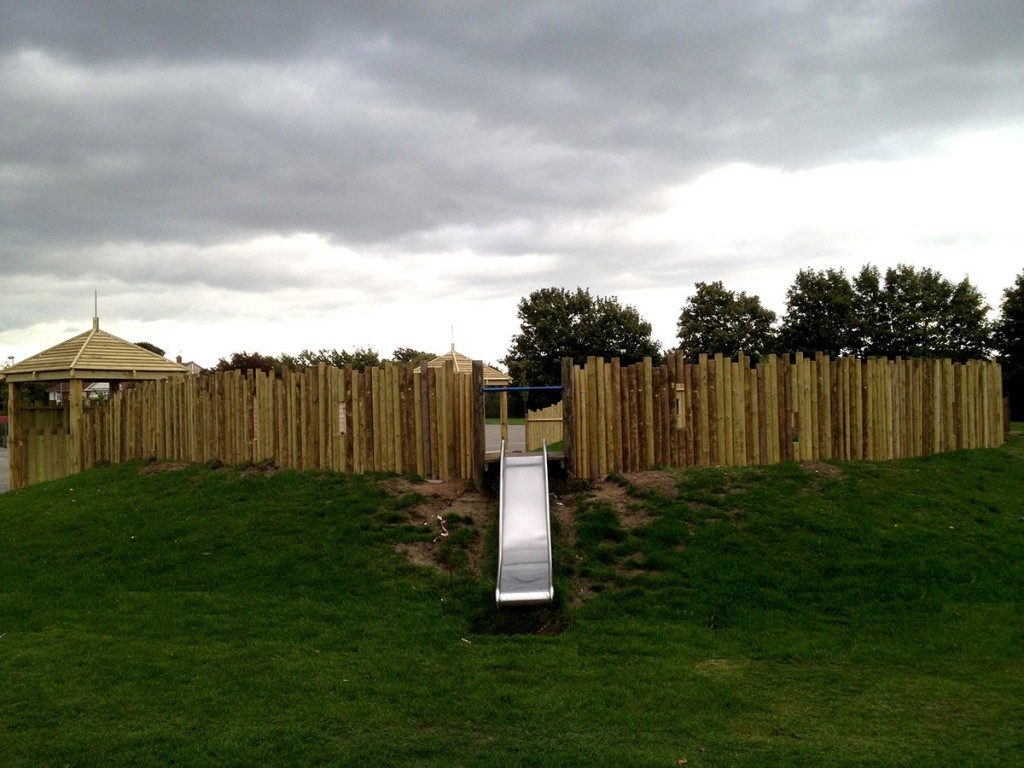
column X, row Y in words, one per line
column 854, row 614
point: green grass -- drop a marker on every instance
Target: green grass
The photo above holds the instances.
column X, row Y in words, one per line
column 765, row 616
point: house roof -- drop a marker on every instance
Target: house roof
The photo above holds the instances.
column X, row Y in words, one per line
column 462, row 364
column 94, row 355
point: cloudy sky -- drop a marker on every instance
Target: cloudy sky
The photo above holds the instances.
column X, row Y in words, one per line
column 273, row 177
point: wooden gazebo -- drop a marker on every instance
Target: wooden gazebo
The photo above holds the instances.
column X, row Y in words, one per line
column 460, row 363
column 45, row 438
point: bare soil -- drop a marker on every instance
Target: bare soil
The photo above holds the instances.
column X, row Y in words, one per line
column 164, row 466
column 445, row 505
column 821, row 468
column 457, row 503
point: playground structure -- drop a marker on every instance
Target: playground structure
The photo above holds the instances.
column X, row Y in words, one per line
column 429, row 421
column 525, row 570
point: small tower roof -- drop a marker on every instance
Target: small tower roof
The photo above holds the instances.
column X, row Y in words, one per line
column 492, row 376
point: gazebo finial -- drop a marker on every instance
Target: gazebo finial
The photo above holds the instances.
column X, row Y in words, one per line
column 95, row 310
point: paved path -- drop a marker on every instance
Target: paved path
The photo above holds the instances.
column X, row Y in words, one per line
column 516, row 437
column 5, row 471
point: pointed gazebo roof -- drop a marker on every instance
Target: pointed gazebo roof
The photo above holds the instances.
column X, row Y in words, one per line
column 492, row 376
column 94, row 356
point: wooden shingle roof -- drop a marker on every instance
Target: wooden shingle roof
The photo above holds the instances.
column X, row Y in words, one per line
column 462, row 364
column 96, row 356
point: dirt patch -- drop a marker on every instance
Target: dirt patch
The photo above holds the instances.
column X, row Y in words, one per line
column 629, row 508
column 821, row 468
column 562, row 512
column 661, row 483
column 582, row 590
column 459, row 506
column 444, row 489
column 626, row 493
column 423, row 553
column 265, row 469
column 164, row 466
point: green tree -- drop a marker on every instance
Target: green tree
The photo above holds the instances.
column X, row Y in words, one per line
column 964, row 332
column 359, row 358
column 870, row 327
column 556, row 323
column 1009, row 342
column 248, row 361
column 819, row 315
column 919, row 313
column 717, row 320
column 151, row 347
column 310, row 359
column 409, row 355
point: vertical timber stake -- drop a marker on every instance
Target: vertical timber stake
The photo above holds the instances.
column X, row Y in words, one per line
column 568, row 418
column 479, row 410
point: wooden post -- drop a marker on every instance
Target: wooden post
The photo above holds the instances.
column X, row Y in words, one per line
column 15, row 445
column 716, row 407
column 503, row 415
column 601, row 412
column 568, row 418
column 479, row 416
column 629, row 423
column 427, row 430
column 704, row 384
column 649, row 412
column 615, row 413
column 75, row 426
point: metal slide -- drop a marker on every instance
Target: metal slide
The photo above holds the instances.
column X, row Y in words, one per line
column 524, row 531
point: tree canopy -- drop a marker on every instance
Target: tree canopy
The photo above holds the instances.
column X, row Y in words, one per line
column 717, row 320
column 360, row 358
column 820, row 314
column 248, row 361
column 557, row 323
column 1009, row 343
column 410, row 355
column 919, row 313
column 151, row 347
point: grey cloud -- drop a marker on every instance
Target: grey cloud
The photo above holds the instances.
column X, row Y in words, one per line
column 388, row 125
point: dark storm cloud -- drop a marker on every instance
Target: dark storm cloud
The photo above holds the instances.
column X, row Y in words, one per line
column 447, row 125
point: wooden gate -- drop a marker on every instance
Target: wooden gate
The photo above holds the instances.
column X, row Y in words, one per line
column 544, row 424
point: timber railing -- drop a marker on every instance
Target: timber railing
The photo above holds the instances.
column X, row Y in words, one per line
column 723, row 412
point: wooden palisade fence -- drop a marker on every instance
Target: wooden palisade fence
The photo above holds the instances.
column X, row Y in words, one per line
column 722, row 412
column 544, row 424
column 389, row 419
column 616, row 418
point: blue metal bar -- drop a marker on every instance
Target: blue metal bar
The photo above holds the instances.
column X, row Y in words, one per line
column 523, row 389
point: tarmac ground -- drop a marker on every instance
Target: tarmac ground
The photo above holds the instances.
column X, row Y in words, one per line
column 516, row 438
